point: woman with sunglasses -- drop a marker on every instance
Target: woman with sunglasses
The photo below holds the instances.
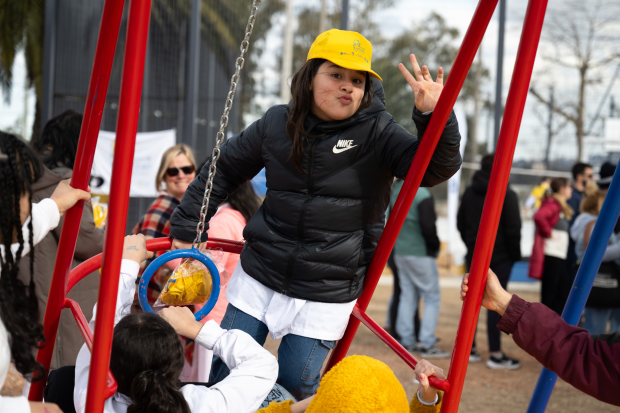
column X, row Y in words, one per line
column 177, row 170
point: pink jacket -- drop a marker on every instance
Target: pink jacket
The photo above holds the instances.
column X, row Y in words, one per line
column 545, row 219
column 227, row 223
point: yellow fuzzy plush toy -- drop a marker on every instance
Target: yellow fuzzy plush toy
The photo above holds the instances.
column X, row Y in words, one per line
column 359, row 384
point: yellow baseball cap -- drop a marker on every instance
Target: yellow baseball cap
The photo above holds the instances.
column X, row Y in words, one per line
column 348, row 49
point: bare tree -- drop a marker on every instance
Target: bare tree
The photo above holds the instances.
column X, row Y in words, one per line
column 580, row 36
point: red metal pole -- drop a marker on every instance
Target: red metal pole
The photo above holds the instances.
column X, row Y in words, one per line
column 494, row 200
column 126, row 128
column 97, row 91
column 457, row 75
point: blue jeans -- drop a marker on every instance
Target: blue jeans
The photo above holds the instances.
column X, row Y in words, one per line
column 596, row 320
column 300, row 358
column 277, row 394
column 418, row 278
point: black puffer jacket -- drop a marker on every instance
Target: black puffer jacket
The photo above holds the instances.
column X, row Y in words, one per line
column 316, row 232
column 508, row 240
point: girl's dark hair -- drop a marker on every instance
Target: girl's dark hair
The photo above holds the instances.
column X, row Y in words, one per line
column 302, row 103
column 19, row 169
column 59, row 140
column 147, row 359
column 245, row 201
column 557, row 184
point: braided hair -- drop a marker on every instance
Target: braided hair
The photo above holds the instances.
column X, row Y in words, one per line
column 19, row 169
column 59, row 140
column 147, row 359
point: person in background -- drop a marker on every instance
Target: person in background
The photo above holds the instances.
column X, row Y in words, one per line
column 177, row 170
column 548, row 260
column 582, row 174
column 506, row 252
column 415, row 252
column 57, row 148
column 591, row 364
column 227, row 223
column 603, row 304
column 533, row 201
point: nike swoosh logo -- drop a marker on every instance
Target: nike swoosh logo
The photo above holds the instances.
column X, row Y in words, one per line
column 338, row 150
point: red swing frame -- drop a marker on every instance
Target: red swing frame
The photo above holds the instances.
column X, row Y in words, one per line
column 101, row 384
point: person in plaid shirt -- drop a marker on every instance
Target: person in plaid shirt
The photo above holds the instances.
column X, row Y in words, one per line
column 176, row 171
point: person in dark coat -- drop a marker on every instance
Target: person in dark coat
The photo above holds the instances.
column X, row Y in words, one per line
column 506, row 252
column 57, row 147
column 330, row 158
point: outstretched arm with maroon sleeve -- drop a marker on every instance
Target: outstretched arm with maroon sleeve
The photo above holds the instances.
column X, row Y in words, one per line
column 589, row 363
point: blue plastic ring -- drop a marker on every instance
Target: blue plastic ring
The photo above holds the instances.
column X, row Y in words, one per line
column 173, row 255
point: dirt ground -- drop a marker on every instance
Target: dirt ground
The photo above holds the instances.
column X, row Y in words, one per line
column 486, row 391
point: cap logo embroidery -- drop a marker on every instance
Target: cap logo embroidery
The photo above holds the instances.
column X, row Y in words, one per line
column 357, row 46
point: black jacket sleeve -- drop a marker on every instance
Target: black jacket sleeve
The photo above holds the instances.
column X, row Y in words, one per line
column 240, row 160
column 426, row 213
column 511, row 221
column 397, row 147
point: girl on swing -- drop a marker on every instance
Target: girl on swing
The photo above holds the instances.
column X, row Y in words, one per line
column 330, row 156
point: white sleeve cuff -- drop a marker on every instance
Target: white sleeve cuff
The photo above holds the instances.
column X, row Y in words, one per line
column 14, row 404
column 51, row 211
column 425, row 403
column 209, row 335
column 130, row 268
column 427, row 113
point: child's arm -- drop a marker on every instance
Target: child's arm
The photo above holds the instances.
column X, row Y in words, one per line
column 46, row 214
column 253, row 370
column 134, row 252
column 427, row 399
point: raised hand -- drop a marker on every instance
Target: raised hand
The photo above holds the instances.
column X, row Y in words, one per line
column 495, row 297
column 66, row 196
column 426, row 90
column 134, row 248
column 182, row 320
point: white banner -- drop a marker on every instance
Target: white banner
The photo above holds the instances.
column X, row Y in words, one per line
column 454, row 185
column 150, row 146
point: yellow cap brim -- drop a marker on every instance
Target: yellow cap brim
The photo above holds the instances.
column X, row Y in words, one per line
column 347, row 64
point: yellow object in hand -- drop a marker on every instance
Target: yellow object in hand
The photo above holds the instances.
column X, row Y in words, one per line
column 189, row 284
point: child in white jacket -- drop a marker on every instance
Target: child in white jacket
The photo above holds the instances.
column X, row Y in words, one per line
column 147, row 357
column 22, row 225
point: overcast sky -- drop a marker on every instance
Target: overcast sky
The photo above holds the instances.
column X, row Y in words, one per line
column 392, row 21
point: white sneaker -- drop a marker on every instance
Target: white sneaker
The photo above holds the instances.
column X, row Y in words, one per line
column 503, row 362
column 474, row 356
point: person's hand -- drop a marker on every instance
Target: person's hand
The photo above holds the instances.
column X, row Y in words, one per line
column 495, row 297
column 422, row 371
column 36, row 407
column 134, row 248
column 426, row 90
column 65, row 196
column 182, row 320
column 178, row 244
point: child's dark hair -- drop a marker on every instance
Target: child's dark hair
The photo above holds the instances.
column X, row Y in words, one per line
column 59, row 140
column 19, row 169
column 147, row 359
column 245, row 201
column 302, row 103
column 557, row 184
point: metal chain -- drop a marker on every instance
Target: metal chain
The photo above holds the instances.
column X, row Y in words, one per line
column 245, row 44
